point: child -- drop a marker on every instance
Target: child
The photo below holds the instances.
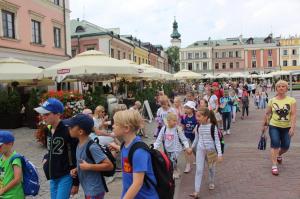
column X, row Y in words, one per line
column 257, row 99
column 88, row 170
column 225, row 105
column 203, row 103
column 179, row 109
column 162, row 113
column 205, row 145
column 171, row 136
column 188, row 123
column 10, row 172
column 235, row 99
column 127, row 123
column 245, row 102
column 263, row 99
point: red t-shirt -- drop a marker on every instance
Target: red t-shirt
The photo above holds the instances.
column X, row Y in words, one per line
column 219, row 93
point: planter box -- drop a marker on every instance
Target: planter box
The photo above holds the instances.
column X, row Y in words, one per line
column 10, row 121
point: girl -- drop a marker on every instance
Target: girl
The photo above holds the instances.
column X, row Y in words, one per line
column 256, row 99
column 162, row 112
column 179, row 109
column 203, row 103
column 188, row 123
column 235, row 99
column 172, row 136
column 245, row 103
column 205, row 147
column 225, row 105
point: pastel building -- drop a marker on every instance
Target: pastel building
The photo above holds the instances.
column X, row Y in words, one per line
column 261, row 54
column 35, row 31
column 290, row 53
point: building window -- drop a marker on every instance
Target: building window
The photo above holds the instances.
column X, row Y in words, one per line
column 112, row 53
column 143, row 60
column 56, row 2
column 231, row 65
column 285, row 63
column 294, row 62
column 57, row 37
column 253, row 53
column 269, row 53
column 129, row 56
column 119, row 54
column 36, row 32
column 217, row 55
column 253, row 64
column 197, row 67
column 223, row 54
column 8, row 24
column 90, row 48
column 270, row 63
column 294, row 52
column 74, row 52
column 217, row 66
column 204, row 55
column 149, row 62
column 196, row 55
column 124, row 55
column 223, row 65
column 285, row 52
column 237, row 54
column 230, row 54
column 190, row 66
column 139, row 60
column 237, row 64
column 204, row 65
column 190, row 56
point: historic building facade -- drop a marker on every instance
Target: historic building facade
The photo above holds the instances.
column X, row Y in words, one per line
column 290, row 53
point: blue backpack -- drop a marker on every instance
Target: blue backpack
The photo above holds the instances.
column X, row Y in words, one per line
column 31, row 185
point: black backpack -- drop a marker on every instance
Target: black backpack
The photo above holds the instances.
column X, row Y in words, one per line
column 162, row 168
column 108, row 154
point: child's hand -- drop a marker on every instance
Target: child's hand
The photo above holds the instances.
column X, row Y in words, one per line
column 84, row 165
column 73, row 173
column 220, row 159
column 113, row 146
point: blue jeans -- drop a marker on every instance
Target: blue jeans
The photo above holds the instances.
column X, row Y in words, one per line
column 226, row 117
column 280, row 137
column 61, row 188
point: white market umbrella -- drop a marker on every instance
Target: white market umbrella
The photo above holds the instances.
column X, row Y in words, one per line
column 253, row 76
column 16, row 70
column 147, row 72
column 269, row 75
column 208, row 76
column 161, row 73
column 238, row 75
column 222, row 76
column 187, row 74
column 280, row 72
column 91, row 62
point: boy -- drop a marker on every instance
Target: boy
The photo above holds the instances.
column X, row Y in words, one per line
column 88, row 170
column 61, row 156
column 127, row 123
column 10, row 172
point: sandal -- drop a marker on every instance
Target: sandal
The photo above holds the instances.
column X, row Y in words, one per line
column 279, row 160
column 275, row 171
column 194, row 195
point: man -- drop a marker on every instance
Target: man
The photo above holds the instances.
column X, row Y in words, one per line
column 217, row 90
column 61, row 156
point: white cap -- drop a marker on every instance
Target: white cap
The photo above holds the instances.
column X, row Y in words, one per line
column 190, row 104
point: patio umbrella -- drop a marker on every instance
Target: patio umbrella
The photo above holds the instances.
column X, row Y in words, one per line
column 92, row 62
column 222, row 76
column 162, row 74
column 187, row 74
column 16, row 70
column 147, row 72
column 269, row 75
column 253, row 76
column 208, row 76
column 238, row 75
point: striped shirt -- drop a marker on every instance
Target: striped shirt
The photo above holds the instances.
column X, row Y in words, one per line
column 203, row 139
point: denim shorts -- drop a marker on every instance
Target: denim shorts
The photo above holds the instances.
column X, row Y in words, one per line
column 280, row 137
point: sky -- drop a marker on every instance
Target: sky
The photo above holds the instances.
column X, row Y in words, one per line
column 151, row 20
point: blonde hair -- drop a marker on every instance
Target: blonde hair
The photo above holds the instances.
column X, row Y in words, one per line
column 177, row 99
column 281, row 82
column 131, row 118
column 164, row 99
column 119, row 107
column 98, row 109
column 171, row 116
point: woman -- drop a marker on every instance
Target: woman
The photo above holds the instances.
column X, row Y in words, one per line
column 281, row 119
column 226, row 106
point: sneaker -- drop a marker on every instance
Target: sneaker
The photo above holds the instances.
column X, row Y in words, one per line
column 224, row 132
column 228, row 132
column 187, row 168
column 275, row 171
column 279, row 160
column 211, row 186
column 176, row 175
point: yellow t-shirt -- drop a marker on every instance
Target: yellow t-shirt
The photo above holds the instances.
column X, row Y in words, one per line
column 281, row 111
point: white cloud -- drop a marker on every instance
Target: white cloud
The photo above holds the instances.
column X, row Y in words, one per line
column 152, row 20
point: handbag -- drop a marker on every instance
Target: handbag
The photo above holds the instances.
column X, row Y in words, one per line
column 262, row 142
column 211, row 157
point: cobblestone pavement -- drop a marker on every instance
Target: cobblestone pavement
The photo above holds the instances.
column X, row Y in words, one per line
column 244, row 174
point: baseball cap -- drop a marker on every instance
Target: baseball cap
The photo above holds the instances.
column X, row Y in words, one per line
column 215, row 84
column 6, row 137
column 84, row 122
column 190, row 104
column 52, row 105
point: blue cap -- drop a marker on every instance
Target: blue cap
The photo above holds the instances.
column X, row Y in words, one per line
column 52, row 105
column 6, row 137
column 84, row 122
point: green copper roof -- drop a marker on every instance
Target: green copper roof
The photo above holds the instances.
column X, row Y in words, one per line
column 85, row 28
column 175, row 34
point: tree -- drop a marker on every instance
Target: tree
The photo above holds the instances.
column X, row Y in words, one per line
column 173, row 57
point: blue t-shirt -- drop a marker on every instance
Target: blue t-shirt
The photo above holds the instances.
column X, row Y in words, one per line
column 141, row 163
column 90, row 181
column 227, row 107
column 189, row 125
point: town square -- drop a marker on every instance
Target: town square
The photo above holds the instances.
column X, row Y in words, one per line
column 149, row 99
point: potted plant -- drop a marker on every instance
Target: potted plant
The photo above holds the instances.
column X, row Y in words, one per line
column 31, row 115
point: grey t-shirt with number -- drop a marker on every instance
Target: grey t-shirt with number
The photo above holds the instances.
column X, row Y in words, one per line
column 90, row 181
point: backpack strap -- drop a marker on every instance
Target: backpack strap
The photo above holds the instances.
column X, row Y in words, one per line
column 212, row 132
column 17, row 155
column 89, row 156
column 180, row 141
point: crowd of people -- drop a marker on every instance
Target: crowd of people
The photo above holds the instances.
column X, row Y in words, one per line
column 193, row 124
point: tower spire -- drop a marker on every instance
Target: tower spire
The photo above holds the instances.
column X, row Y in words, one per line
column 175, row 36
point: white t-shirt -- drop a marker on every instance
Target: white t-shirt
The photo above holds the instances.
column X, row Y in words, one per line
column 211, row 101
column 97, row 122
column 162, row 114
column 240, row 92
